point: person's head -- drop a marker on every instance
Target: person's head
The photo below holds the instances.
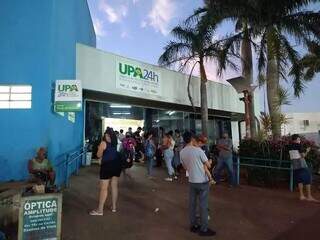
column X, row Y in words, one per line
column 139, row 129
column 121, row 131
column 225, row 135
column 130, row 129
column 110, row 137
column 177, row 132
column 296, row 138
column 188, row 137
column 202, row 140
column 117, row 133
column 170, row 133
column 41, row 153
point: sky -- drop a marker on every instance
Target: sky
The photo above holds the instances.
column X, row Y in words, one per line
column 140, row 29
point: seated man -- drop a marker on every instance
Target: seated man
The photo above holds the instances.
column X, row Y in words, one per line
column 41, row 168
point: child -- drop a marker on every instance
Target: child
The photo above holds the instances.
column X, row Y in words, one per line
column 201, row 142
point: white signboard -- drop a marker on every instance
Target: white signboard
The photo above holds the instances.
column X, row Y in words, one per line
column 68, row 96
column 140, row 78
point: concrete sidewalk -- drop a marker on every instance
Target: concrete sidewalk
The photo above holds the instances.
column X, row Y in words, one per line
column 247, row 213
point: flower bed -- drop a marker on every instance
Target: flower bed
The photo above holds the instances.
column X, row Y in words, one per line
column 276, row 150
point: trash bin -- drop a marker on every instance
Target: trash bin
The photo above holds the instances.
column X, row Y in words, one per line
column 88, row 158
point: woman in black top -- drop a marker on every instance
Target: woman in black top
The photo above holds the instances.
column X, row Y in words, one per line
column 110, row 170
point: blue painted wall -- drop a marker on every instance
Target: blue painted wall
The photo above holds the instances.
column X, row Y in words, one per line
column 39, row 47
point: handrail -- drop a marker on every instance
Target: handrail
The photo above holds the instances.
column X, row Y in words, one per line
column 70, row 158
column 265, row 166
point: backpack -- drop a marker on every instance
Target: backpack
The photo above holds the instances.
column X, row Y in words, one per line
column 149, row 149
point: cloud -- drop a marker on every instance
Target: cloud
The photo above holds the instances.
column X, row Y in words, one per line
column 124, row 34
column 113, row 14
column 143, row 24
column 98, row 27
column 161, row 14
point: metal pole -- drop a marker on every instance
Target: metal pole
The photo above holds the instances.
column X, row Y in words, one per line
column 247, row 113
column 67, row 171
column 291, row 178
column 238, row 169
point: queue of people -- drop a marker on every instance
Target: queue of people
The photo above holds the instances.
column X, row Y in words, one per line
column 119, row 151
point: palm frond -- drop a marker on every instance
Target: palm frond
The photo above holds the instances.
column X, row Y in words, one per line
column 175, row 52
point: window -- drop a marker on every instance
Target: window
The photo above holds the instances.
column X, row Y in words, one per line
column 15, row 96
column 306, row 123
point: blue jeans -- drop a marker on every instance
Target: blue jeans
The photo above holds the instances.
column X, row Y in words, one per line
column 228, row 163
column 150, row 163
column 168, row 158
column 199, row 191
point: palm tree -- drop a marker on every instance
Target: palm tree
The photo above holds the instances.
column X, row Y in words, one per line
column 271, row 23
column 194, row 45
column 311, row 61
column 220, row 10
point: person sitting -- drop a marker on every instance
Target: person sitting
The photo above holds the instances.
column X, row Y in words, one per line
column 41, row 169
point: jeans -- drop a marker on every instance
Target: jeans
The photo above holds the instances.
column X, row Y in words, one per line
column 199, row 191
column 228, row 163
column 150, row 163
column 168, row 157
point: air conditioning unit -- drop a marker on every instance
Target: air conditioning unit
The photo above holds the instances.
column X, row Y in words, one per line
column 306, row 123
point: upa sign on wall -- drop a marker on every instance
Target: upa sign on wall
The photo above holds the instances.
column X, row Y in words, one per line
column 40, row 217
column 68, row 96
column 141, row 78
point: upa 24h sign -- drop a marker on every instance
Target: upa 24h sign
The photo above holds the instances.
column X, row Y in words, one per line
column 68, row 96
column 140, row 78
column 40, row 217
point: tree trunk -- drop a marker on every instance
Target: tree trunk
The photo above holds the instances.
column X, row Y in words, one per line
column 273, row 78
column 247, row 73
column 204, row 99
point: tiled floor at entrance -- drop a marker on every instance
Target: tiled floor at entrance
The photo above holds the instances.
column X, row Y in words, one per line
column 244, row 213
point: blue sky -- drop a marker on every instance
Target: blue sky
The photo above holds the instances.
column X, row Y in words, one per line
column 140, row 29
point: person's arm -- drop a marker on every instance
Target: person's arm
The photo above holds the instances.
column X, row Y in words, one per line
column 30, row 167
column 204, row 159
column 304, row 154
column 101, row 149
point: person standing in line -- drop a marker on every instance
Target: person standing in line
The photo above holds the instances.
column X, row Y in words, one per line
column 110, row 171
column 225, row 159
column 301, row 172
column 139, row 145
column 128, row 150
column 179, row 144
column 193, row 160
column 121, row 135
column 167, row 147
column 150, row 149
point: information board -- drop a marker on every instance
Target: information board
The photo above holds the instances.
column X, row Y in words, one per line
column 68, row 96
column 40, row 217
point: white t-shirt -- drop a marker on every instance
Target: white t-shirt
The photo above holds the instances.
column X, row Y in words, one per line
column 193, row 159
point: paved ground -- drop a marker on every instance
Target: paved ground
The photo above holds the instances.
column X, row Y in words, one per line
column 242, row 213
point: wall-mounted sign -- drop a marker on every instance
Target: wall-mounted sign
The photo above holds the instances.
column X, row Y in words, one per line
column 140, row 78
column 68, row 96
column 40, row 217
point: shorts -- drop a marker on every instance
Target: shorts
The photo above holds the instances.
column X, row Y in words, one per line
column 302, row 175
column 110, row 169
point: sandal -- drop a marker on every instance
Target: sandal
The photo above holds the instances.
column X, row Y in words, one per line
column 95, row 213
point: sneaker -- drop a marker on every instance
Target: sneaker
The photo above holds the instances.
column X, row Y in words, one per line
column 168, row 179
column 195, row 229
column 175, row 177
column 208, row 233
